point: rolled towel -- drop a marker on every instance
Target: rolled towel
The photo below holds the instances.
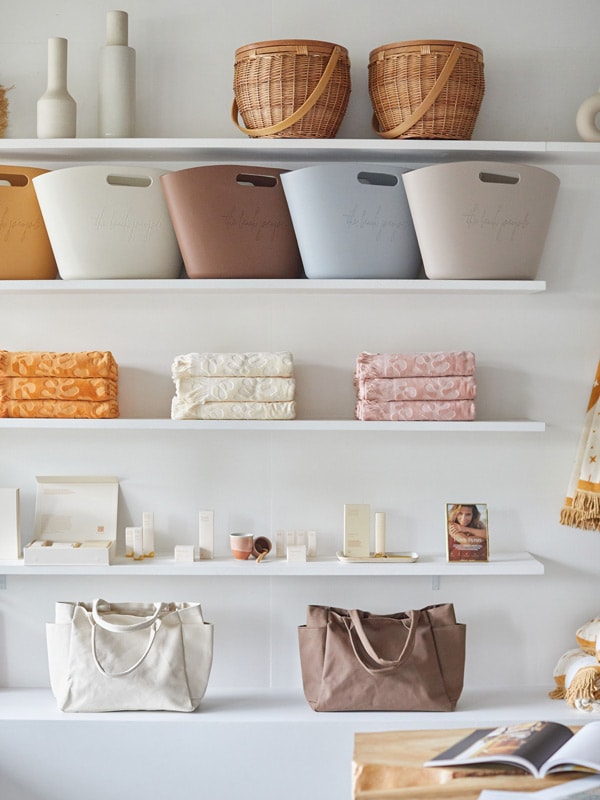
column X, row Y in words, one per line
column 51, row 388
column 586, row 636
column 417, row 411
column 243, row 365
column 34, row 364
column 180, row 409
column 264, row 390
column 59, row 409
column 432, row 388
column 400, row 365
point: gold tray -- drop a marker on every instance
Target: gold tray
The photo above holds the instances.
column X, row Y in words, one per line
column 387, row 558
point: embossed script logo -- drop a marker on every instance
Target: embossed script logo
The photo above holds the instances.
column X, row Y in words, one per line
column 132, row 226
column 504, row 226
column 377, row 223
column 252, row 224
column 15, row 227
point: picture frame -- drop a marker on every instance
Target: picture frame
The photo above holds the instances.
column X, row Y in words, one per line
column 467, row 532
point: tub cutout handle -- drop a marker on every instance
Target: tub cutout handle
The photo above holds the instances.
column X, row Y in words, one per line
column 495, row 177
column 260, row 181
column 138, row 181
column 377, row 179
column 13, row 180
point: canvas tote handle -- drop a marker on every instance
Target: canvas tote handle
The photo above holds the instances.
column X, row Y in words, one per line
column 433, row 95
column 152, row 622
column 300, row 112
column 383, row 665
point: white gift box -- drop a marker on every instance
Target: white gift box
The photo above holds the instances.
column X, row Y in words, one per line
column 75, row 521
column 10, row 538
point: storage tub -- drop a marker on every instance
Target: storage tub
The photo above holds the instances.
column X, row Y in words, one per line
column 481, row 220
column 352, row 221
column 25, row 251
column 232, row 222
column 108, row 222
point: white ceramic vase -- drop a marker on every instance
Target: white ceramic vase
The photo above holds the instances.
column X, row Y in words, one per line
column 116, row 90
column 56, row 109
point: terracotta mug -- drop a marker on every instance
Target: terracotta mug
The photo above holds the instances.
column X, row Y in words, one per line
column 262, row 547
column 242, row 545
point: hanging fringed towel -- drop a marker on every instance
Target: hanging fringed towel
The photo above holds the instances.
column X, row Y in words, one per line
column 582, row 504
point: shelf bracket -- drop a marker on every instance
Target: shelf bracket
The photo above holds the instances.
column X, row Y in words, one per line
column 435, row 582
column 2, row 582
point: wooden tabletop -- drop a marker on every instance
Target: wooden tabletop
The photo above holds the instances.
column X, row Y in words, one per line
column 389, row 766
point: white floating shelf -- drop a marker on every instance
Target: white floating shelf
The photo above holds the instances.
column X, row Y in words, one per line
column 427, row 565
column 295, row 425
column 293, row 150
column 477, row 707
column 271, row 286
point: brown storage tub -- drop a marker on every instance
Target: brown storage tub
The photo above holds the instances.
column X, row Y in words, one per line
column 232, row 222
column 25, row 250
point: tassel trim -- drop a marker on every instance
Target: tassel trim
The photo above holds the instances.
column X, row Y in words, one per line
column 584, row 686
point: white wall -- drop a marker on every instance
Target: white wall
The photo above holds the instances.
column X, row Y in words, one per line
column 536, row 354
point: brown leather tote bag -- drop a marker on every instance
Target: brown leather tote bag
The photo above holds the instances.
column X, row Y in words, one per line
column 357, row 661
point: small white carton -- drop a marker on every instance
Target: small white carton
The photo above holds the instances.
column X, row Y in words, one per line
column 75, row 521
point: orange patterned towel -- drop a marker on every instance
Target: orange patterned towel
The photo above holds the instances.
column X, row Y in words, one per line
column 90, row 364
column 97, row 389
column 59, row 409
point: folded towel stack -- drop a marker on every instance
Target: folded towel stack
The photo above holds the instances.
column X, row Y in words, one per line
column 59, row 385
column 234, row 386
column 415, row 386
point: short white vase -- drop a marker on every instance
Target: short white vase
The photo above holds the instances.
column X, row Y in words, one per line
column 56, row 109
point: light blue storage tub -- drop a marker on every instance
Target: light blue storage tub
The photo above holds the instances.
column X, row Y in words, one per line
column 352, row 221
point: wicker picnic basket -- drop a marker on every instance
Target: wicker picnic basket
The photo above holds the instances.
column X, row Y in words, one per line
column 426, row 89
column 294, row 88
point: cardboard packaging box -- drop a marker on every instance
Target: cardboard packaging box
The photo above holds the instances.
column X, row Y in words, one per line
column 75, row 521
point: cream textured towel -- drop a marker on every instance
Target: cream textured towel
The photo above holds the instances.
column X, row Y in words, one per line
column 581, row 508
column 180, row 409
column 222, row 389
column 244, row 365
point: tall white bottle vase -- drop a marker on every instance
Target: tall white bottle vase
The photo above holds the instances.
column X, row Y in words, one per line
column 56, row 109
column 116, row 91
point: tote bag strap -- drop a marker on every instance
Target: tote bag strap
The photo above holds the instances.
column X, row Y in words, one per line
column 153, row 622
column 113, row 627
column 354, row 623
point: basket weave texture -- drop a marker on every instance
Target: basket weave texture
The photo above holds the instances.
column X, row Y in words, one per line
column 403, row 81
column 272, row 80
column 3, row 110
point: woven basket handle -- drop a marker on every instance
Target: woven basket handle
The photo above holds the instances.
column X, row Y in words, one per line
column 300, row 112
column 433, row 95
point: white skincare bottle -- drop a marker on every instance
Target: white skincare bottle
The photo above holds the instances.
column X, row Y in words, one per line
column 116, row 89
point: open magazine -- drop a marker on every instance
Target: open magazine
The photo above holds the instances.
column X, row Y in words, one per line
column 537, row 747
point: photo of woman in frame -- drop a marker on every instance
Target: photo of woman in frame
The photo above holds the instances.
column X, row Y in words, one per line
column 467, row 532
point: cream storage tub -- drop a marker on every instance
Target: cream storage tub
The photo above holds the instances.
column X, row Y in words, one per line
column 108, row 222
column 481, row 220
column 352, row 221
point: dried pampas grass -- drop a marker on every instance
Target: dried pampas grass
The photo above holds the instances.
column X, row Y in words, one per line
column 3, row 110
